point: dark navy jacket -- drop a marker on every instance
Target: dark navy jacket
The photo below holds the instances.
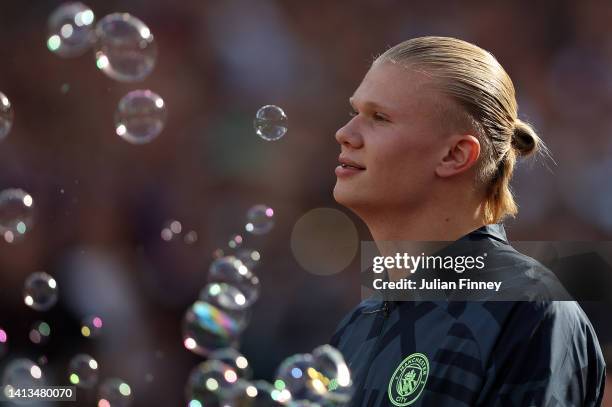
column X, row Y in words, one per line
column 479, row 353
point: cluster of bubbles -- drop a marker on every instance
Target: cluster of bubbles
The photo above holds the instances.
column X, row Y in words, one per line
column 320, row 378
column 16, row 214
column 40, row 293
column 222, row 311
column 212, row 327
column 125, row 50
column 172, row 231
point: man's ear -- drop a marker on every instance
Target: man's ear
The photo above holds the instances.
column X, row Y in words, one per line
column 463, row 152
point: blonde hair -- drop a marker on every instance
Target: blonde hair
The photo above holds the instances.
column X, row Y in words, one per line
column 484, row 92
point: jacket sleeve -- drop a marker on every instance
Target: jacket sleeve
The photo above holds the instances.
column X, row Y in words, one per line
column 547, row 355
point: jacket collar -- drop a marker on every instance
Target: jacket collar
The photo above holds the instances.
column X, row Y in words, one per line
column 494, row 231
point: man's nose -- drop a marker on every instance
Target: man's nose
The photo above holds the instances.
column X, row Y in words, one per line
column 349, row 135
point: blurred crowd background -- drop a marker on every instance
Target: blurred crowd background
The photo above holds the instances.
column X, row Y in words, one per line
column 101, row 202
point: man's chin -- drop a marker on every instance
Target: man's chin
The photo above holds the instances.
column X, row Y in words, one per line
column 345, row 196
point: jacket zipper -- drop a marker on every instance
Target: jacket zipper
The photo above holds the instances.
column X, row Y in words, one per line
column 375, row 349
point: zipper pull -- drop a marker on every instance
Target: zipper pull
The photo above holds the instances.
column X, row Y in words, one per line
column 385, row 309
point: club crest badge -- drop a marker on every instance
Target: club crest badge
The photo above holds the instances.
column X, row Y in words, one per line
column 408, row 380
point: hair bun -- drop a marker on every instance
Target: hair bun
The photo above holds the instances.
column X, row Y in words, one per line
column 524, row 139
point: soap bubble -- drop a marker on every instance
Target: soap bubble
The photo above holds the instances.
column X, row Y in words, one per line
column 235, row 241
column 3, row 342
column 140, row 116
column 232, row 271
column 171, row 230
column 39, row 332
column 71, row 30
column 207, row 328
column 114, row 392
column 40, row 291
column 320, row 377
column 22, row 373
column 6, row 116
column 83, row 371
column 260, row 219
column 125, row 48
column 211, row 383
column 228, row 299
column 270, row 123
column 334, row 373
column 292, row 375
column 91, row 326
column 233, row 359
column 16, row 213
column 248, row 257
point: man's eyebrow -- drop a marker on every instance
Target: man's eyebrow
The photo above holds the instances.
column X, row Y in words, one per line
column 369, row 104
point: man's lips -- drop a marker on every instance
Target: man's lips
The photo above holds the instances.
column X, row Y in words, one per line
column 346, row 162
column 348, row 167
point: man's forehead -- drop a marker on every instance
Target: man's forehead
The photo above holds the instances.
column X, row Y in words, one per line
column 392, row 86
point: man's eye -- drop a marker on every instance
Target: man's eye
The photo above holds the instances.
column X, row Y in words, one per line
column 353, row 113
column 380, row 118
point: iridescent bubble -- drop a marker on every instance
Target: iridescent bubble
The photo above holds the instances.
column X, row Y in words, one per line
column 232, row 271
column 235, row 241
column 140, row 116
column 114, row 392
column 71, row 30
column 91, row 326
column 260, row 219
column 125, row 48
column 16, row 213
column 40, row 332
column 3, row 342
column 249, row 257
column 83, row 371
column 40, row 291
column 228, row 299
column 234, row 359
column 270, row 123
column 6, row 116
column 22, row 373
column 207, row 328
column 211, row 383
